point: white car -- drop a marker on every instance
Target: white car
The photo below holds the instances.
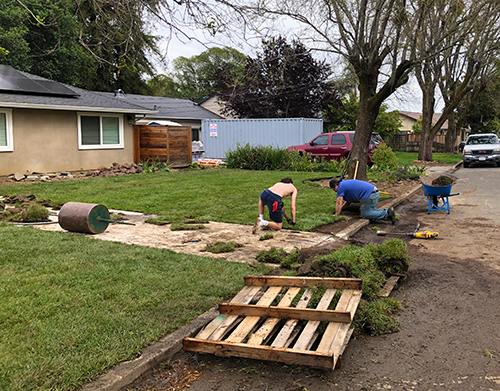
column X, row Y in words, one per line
column 484, row 147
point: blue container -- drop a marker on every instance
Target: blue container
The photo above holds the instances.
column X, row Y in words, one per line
column 436, row 190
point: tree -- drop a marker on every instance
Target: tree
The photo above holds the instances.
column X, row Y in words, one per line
column 344, row 117
column 95, row 44
column 284, row 81
column 43, row 39
column 462, row 68
column 378, row 38
column 197, row 77
column 162, row 85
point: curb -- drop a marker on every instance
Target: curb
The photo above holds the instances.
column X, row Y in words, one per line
column 127, row 372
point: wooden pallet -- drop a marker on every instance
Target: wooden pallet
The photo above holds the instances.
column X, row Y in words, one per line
column 263, row 321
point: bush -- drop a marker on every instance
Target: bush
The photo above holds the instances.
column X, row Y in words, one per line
column 408, row 171
column 271, row 158
column 384, row 158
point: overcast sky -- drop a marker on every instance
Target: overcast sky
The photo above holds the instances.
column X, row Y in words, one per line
column 406, row 98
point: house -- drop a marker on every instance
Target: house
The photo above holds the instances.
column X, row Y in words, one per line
column 408, row 119
column 46, row 126
column 213, row 104
column 181, row 111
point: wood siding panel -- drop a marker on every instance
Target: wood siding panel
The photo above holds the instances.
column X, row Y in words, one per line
column 163, row 144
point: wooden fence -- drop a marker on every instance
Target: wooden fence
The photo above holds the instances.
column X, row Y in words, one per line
column 410, row 142
column 163, row 144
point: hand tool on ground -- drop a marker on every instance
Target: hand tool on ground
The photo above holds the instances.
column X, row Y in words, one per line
column 417, row 235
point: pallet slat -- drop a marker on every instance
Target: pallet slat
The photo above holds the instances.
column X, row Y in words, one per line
column 268, row 353
column 290, row 313
column 332, row 283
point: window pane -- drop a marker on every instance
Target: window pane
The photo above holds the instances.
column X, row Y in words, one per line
column 90, row 130
column 3, row 130
column 110, row 130
column 338, row 139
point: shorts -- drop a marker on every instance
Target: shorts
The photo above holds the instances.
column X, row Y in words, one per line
column 274, row 204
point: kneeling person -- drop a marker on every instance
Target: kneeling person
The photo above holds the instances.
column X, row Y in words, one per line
column 273, row 198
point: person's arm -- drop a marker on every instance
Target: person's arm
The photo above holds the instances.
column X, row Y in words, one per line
column 340, row 205
column 292, row 207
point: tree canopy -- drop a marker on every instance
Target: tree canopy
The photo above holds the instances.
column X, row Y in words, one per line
column 94, row 44
column 283, row 81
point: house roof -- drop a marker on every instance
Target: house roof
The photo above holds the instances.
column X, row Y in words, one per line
column 416, row 117
column 81, row 100
column 167, row 108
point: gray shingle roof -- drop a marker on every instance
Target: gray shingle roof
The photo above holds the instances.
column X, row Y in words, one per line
column 86, row 101
column 168, row 108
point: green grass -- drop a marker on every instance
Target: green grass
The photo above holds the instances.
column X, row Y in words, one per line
column 408, row 157
column 71, row 307
column 224, row 195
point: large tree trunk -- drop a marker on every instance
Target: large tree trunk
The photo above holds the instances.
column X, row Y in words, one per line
column 450, row 141
column 428, row 86
column 367, row 115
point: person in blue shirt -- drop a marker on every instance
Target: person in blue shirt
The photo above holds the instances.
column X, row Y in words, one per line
column 354, row 190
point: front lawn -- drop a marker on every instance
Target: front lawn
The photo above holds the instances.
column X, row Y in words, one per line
column 217, row 195
column 71, row 307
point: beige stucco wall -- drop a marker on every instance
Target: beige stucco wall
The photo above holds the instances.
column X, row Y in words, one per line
column 46, row 141
column 407, row 123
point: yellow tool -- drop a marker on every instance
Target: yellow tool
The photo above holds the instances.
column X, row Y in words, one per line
column 417, row 235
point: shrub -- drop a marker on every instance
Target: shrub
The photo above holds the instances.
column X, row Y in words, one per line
column 408, row 171
column 271, row 158
column 384, row 158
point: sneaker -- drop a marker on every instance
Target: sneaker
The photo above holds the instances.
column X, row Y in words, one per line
column 391, row 215
column 256, row 226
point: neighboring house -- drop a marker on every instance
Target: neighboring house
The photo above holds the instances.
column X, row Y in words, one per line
column 213, row 104
column 46, row 126
column 180, row 111
column 408, row 119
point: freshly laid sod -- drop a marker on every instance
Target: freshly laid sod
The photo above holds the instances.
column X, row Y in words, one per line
column 71, row 307
column 218, row 195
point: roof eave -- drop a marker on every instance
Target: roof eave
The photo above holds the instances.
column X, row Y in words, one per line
column 76, row 108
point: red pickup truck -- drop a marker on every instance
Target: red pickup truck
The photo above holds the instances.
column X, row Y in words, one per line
column 333, row 146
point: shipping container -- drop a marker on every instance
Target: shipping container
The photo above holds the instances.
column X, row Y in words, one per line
column 222, row 135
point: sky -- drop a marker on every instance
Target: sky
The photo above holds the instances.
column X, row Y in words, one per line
column 406, row 98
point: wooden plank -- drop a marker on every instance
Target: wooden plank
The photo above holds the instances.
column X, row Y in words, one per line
column 389, row 286
column 263, row 332
column 312, row 325
column 289, row 313
column 286, row 331
column 244, row 296
column 333, row 328
column 331, row 283
column 241, row 332
column 337, row 345
column 288, row 356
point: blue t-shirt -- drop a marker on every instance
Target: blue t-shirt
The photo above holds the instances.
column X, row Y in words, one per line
column 354, row 190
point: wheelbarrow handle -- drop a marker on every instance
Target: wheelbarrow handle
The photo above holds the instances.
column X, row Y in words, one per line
column 454, row 194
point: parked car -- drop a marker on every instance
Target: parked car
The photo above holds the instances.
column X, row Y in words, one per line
column 484, row 147
column 333, row 146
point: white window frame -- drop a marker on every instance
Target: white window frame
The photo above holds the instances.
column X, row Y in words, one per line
column 120, row 145
column 8, row 130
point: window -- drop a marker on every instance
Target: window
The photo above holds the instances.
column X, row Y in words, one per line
column 338, row 139
column 100, row 131
column 6, row 141
column 320, row 140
